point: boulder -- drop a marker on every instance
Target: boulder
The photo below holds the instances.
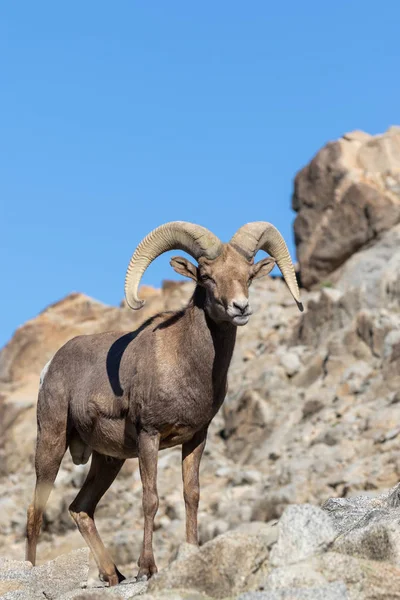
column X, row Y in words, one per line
column 354, row 578
column 124, row 591
column 349, row 513
column 15, row 570
column 222, row 567
column 61, row 575
column 367, row 527
column 304, row 530
column 345, row 197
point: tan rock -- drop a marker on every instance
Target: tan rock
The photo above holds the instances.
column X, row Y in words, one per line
column 346, row 196
column 10, row 586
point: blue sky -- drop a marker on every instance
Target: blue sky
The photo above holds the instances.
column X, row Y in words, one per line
column 117, row 117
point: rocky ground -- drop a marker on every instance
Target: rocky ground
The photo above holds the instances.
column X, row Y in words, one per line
column 296, row 477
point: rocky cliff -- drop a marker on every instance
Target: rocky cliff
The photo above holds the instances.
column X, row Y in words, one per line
column 312, row 414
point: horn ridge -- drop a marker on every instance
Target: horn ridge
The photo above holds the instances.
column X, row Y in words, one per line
column 176, row 235
column 261, row 235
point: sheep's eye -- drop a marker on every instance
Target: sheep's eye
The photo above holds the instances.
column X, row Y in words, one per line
column 206, row 277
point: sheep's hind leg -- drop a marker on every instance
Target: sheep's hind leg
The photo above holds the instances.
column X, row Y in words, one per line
column 148, row 456
column 50, row 448
column 103, row 471
column 192, row 452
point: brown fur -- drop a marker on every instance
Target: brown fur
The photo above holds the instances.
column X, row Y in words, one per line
column 131, row 395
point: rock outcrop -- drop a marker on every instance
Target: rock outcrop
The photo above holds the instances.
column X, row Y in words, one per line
column 345, row 198
column 349, row 550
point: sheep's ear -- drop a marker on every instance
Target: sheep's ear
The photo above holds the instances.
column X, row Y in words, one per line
column 184, row 267
column 262, row 268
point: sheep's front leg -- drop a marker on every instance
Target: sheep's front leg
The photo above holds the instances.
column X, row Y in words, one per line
column 148, row 456
column 192, row 452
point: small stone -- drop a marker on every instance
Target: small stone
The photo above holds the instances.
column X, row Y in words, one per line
column 356, row 376
column 290, row 362
column 311, row 407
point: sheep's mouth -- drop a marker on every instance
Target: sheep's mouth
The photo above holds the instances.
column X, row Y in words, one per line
column 240, row 320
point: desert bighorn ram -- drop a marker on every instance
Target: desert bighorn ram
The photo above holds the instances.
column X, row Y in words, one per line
column 128, row 395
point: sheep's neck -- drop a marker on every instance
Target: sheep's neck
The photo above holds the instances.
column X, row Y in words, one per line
column 223, row 335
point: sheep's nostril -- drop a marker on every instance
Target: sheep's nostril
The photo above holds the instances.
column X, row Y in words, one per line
column 242, row 306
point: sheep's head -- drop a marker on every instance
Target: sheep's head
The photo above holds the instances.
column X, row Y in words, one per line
column 226, row 280
column 225, row 271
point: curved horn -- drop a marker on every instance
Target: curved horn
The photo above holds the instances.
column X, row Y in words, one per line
column 177, row 235
column 260, row 235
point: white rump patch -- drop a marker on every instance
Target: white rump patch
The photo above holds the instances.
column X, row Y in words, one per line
column 43, row 373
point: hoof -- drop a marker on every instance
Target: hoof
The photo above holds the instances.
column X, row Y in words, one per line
column 145, row 572
column 113, row 578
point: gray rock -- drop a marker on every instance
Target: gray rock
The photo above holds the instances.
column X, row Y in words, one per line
column 356, row 375
column 249, row 416
column 62, row 575
column 369, row 527
column 225, row 566
column 348, row 513
column 377, row 541
column 364, row 579
column 186, row 551
column 90, row 595
column 293, row 576
column 210, row 529
column 123, row 591
column 304, row 530
column 326, row 314
column 15, row 569
column 175, row 594
column 391, row 340
column 268, row 530
column 375, row 272
column 290, row 362
column 14, row 580
column 332, row 591
column 22, row 594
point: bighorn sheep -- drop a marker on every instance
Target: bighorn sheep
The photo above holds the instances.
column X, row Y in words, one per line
column 120, row 396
